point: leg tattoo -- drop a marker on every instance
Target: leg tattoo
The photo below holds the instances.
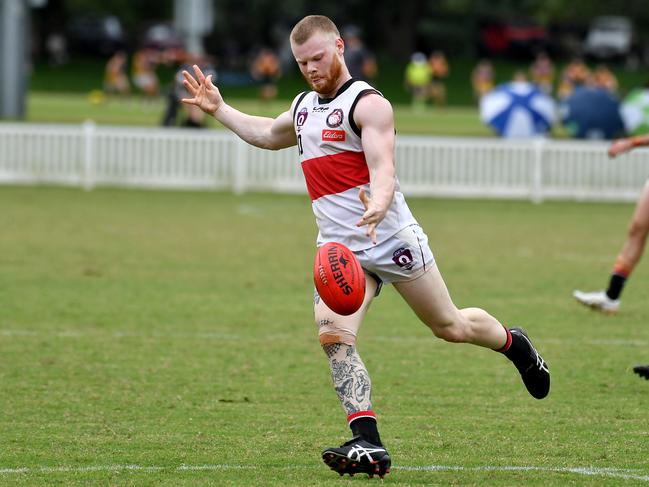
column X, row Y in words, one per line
column 350, row 377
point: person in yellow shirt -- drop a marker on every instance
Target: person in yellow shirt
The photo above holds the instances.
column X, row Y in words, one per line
column 418, row 79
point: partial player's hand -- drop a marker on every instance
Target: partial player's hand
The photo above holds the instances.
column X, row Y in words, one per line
column 372, row 216
column 619, row 146
column 205, row 95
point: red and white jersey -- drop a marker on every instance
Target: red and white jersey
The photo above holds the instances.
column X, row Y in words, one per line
column 334, row 166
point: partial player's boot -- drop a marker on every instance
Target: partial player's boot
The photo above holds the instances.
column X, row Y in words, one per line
column 598, row 300
column 358, row 456
column 642, row 371
column 533, row 369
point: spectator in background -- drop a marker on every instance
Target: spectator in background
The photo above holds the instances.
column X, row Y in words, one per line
column 604, row 78
column 360, row 61
column 439, row 72
column 57, row 49
column 143, row 70
column 482, row 78
column 520, row 77
column 266, row 70
column 542, row 72
column 574, row 75
column 115, row 78
column 418, row 79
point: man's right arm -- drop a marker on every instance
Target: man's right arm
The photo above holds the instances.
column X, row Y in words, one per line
column 267, row 133
column 264, row 132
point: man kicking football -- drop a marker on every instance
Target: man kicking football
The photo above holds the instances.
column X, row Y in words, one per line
column 344, row 132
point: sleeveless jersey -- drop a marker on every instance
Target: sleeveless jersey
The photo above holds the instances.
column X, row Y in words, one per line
column 334, row 166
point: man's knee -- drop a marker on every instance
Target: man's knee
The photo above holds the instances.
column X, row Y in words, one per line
column 449, row 328
column 450, row 333
column 331, row 333
column 333, row 338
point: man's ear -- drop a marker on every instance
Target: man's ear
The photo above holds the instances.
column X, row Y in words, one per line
column 340, row 45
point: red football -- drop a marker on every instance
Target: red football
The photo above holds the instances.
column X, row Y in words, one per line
column 339, row 278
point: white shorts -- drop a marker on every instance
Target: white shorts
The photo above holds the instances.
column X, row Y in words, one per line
column 403, row 257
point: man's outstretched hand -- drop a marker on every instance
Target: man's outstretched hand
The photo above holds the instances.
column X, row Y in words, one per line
column 205, row 95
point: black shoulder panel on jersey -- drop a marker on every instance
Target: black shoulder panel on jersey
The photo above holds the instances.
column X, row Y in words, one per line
column 352, row 124
column 300, row 97
column 341, row 90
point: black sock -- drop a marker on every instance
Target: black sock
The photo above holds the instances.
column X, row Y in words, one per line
column 615, row 286
column 518, row 349
column 366, row 428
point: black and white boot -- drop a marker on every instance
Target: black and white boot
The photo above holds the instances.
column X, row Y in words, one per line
column 533, row 369
column 358, row 456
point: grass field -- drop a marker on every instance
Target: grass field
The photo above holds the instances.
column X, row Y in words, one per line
column 76, row 108
column 166, row 338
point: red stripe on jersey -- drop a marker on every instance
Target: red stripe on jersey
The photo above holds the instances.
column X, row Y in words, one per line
column 335, row 173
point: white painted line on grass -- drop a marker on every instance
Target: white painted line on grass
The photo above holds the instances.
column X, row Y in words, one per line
column 627, row 474
column 590, row 471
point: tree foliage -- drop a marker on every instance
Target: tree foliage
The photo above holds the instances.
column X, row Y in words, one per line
column 396, row 28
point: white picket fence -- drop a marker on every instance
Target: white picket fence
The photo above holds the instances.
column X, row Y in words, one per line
column 90, row 156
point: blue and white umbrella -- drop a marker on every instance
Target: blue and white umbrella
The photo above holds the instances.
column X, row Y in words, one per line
column 518, row 109
column 592, row 113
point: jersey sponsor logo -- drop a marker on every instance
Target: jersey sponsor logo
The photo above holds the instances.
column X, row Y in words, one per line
column 335, row 118
column 333, row 135
column 301, row 117
column 320, row 109
column 403, row 258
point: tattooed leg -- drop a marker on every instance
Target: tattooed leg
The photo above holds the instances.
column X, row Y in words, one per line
column 350, row 377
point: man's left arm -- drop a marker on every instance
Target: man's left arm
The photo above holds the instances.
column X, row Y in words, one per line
column 375, row 119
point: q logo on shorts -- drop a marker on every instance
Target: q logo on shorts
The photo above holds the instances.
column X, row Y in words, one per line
column 403, row 258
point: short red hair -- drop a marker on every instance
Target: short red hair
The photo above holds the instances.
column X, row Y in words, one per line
column 311, row 24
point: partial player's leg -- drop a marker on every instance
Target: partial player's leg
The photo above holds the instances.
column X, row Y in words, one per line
column 608, row 301
column 365, row 452
column 428, row 296
column 637, row 234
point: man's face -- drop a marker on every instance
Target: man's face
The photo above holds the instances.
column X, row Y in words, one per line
column 319, row 59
